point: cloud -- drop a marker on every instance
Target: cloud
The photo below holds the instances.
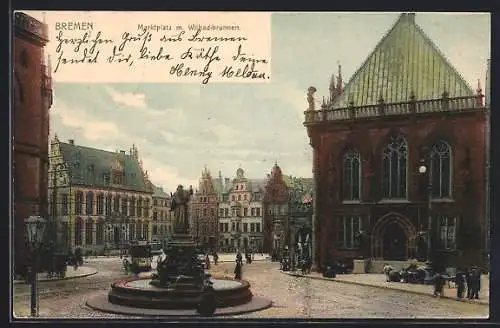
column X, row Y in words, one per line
column 92, row 129
column 135, row 100
column 166, row 176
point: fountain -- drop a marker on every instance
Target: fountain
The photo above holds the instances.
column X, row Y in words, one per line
column 181, row 286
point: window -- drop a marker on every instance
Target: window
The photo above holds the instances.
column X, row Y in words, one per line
column 79, row 202
column 348, row 228
column 116, row 207
column 252, row 227
column 440, row 170
column 108, row 204
column 145, row 231
column 226, row 212
column 257, row 211
column 100, row 204
column 89, row 203
column 245, row 211
column 125, row 206
column 155, row 202
column 245, row 227
column 226, row 227
column 447, row 227
column 145, row 211
column 204, row 212
column 252, row 211
column 65, row 204
column 100, row 233
column 233, row 226
column 233, row 197
column 155, row 229
column 221, row 212
column 394, row 160
column 131, row 233
column 351, row 181
column 245, row 196
column 138, row 231
column 139, row 207
column 221, row 226
column 257, row 227
column 88, row 232
column 239, row 197
column 132, row 206
column 155, row 217
column 78, row 232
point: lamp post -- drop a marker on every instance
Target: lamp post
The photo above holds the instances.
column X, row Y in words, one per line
column 423, row 170
column 35, row 229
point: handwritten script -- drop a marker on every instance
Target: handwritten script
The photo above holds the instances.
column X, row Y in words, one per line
column 162, row 52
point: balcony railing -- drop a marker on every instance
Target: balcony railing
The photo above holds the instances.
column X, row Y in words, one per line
column 459, row 104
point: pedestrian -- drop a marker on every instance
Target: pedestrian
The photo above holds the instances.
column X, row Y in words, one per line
column 207, row 261
column 475, row 282
column 460, row 282
column 469, row 283
column 216, row 258
column 238, row 269
column 438, row 285
column 239, row 257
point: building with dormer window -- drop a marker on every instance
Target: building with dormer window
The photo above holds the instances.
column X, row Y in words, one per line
column 240, row 213
column 100, row 199
column 163, row 218
column 399, row 153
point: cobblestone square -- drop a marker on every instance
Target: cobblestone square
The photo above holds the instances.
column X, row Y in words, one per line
column 293, row 297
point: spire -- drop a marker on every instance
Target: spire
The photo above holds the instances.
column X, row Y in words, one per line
column 479, row 90
column 332, row 84
column 339, row 80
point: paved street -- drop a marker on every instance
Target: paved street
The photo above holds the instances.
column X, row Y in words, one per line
column 294, row 297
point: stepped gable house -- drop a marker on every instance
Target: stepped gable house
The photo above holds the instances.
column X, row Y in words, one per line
column 404, row 107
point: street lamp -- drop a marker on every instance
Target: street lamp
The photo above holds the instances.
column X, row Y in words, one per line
column 35, row 229
column 423, row 170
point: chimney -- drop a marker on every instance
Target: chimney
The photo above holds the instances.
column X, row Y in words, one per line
column 71, row 141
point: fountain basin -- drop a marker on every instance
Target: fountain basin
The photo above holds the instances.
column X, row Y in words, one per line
column 140, row 293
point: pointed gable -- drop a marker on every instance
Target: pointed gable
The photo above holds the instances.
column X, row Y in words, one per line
column 404, row 62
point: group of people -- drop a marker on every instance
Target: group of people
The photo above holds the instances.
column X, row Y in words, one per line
column 468, row 280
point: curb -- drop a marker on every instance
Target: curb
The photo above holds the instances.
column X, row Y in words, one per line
column 59, row 279
column 465, row 300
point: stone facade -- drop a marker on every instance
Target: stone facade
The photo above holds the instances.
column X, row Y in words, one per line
column 32, row 88
column 241, row 213
column 369, row 141
column 162, row 217
column 103, row 200
column 204, row 206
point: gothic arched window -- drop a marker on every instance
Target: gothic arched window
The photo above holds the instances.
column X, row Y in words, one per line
column 351, row 181
column 125, row 206
column 394, row 167
column 90, row 203
column 108, row 204
column 79, row 202
column 132, row 207
column 116, row 207
column 440, row 170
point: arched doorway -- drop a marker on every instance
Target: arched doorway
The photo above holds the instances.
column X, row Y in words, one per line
column 395, row 243
column 393, row 238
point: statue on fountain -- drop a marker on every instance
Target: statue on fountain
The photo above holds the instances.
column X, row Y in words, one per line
column 181, row 267
column 179, row 205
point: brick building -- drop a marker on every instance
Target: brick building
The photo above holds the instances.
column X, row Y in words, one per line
column 32, row 88
column 275, row 208
column 204, row 213
column 405, row 107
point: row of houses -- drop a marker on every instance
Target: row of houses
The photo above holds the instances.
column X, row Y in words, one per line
column 103, row 200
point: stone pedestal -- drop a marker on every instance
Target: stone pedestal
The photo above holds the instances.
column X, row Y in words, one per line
column 360, row 266
column 181, row 270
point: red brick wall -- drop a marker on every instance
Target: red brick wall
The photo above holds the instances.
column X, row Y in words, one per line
column 464, row 132
column 30, row 144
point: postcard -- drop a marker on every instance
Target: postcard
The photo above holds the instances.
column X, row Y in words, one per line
column 240, row 165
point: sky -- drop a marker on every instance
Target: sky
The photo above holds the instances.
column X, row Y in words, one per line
column 181, row 128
